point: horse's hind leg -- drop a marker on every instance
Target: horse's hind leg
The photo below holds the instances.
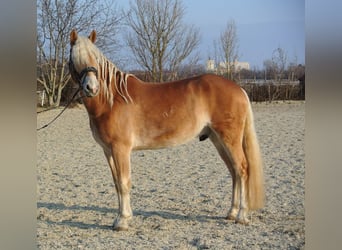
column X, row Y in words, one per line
column 226, row 157
column 231, row 151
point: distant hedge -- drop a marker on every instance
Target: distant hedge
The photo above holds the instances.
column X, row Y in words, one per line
column 274, row 92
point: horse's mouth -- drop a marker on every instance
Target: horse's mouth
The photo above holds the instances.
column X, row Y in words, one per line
column 91, row 93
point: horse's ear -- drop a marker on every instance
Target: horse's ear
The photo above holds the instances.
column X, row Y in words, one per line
column 92, row 36
column 73, row 37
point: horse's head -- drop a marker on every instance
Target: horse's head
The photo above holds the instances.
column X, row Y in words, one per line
column 83, row 64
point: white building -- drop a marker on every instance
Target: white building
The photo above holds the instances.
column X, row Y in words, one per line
column 210, row 65
column 241, row 65
column 222, row 66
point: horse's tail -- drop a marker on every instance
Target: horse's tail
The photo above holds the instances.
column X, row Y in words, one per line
column 255, row 182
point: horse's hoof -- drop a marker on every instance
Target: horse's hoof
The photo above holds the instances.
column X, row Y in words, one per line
column 242, row 221
column 231, row 217
column 232, row 214
column 120, row 224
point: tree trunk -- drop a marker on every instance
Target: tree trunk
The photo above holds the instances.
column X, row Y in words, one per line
column 59, row 94
column 51, row 101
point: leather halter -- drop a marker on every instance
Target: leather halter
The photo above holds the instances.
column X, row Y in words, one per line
column 87, row 70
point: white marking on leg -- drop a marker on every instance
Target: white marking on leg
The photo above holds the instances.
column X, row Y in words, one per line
column 233, row 211
column 242, row 216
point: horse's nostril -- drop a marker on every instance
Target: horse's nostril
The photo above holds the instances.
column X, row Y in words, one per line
column 91, row 89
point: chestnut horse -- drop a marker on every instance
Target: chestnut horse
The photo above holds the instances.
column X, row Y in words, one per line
column 128, row 114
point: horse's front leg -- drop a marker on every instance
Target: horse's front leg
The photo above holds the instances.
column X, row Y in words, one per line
column 119, row 162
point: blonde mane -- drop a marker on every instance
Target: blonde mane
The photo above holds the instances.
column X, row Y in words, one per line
column 108, row 72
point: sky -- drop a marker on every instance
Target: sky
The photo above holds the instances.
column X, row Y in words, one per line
column 262, row 26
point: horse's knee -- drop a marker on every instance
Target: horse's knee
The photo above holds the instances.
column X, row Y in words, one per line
column 125, row 186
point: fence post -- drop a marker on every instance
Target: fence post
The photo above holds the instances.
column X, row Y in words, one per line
column 269, row 92
column 43, row 98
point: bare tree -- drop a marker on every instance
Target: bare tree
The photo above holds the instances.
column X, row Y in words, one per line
column 269, row 69
column 55, row 20
column 279, row 61
column 216, row 56
column 159, row 39
column 229, row 46
column 275, row 68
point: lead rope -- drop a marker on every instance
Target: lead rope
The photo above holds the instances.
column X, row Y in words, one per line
column 68, row 104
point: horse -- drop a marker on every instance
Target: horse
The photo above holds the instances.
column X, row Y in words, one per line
column 127, row 114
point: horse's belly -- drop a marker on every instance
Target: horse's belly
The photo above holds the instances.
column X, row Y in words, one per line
column 168, row 137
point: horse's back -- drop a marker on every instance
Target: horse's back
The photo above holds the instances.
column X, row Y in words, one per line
column 208, row 93
column 221, row 92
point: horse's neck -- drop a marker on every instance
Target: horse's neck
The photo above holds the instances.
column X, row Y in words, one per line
column 94, row 106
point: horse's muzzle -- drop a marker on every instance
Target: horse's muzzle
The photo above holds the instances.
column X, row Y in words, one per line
column 90, row 87
column 91, row 92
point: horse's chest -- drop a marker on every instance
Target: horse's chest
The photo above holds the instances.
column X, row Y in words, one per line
column 99, row 136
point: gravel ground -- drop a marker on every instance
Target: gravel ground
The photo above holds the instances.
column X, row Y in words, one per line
column 180, row 195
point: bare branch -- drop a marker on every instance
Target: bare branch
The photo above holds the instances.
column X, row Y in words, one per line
column 229, row 47
column 159, row 40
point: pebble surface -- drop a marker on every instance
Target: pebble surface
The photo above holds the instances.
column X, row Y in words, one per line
column 179, row 196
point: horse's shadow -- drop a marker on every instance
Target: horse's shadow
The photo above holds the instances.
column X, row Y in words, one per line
column 145, row 214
